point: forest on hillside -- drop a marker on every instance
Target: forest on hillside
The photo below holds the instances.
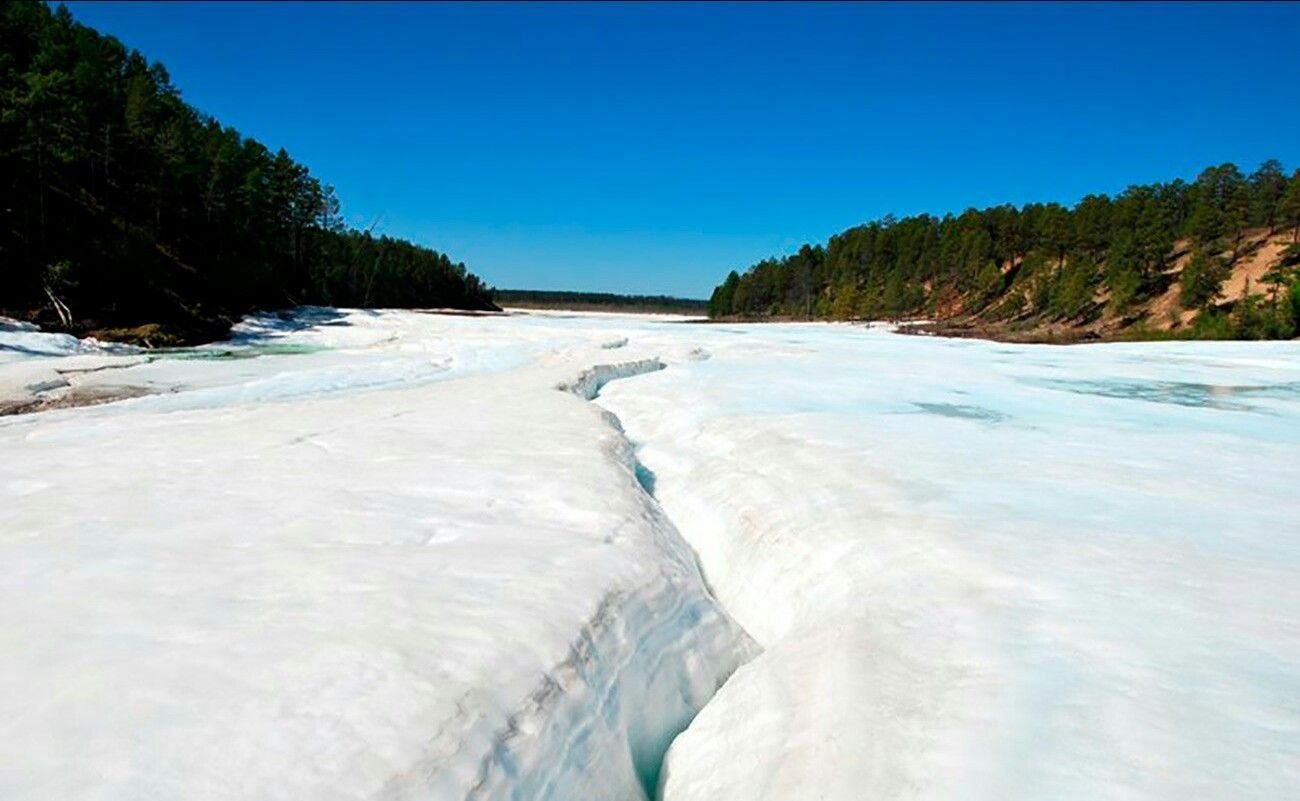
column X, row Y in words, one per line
column 1043, row 263
column 122, row 205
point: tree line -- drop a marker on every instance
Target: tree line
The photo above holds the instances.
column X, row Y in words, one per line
column 1045, row 261
column 122, row 204
column 598, row 301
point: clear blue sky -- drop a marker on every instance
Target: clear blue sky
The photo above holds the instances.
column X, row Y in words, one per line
column 652, row 148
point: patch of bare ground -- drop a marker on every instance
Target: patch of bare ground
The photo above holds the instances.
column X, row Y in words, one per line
column 1261, row 255
column 1023, row 333
column 1259, row 252
column 71, row 398
column 149, row 335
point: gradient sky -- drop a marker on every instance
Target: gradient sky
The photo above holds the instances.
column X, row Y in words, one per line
column 652, row 148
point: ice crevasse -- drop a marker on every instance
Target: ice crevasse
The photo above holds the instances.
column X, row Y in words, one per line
column 986, row 571
column 450, row 590
column 394, row 555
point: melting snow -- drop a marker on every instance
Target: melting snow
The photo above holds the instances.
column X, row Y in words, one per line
column 376, row 554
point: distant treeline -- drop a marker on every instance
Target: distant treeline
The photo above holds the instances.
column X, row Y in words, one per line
column 599, row 301
column 120, row 204
column 1045, row 261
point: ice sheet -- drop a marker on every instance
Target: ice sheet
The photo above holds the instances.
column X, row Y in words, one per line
column 378, row 554
column 285, row 579
column 987, row 571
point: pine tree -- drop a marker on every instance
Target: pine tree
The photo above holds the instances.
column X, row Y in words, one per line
column 121, row 204
column 720, row 304
column 1201, row 280
column 1123, row 271
column 1267, row 185
column 1040, row 260
column 1289, row 206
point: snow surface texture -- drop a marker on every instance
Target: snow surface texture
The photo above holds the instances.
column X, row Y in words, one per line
column 986, row 571
column 378, row 555
column 272, row 583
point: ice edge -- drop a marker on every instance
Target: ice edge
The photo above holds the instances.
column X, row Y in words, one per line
column 649, row 765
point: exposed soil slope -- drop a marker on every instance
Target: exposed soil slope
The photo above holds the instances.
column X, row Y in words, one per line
column 1158, row 316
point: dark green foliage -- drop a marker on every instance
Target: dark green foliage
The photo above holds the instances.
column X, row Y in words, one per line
column 1201, row 280
column 1221, row 210
column 720, row 303
column 1293, row 296
column 121, row 204
column 988, row 283
column 1041, row 260
column 1256, row 317
column 1073, row 288
column 1268, row 184
column 1290, row 257
column 1123, row 270
column 1288, row 207
column 598, row 301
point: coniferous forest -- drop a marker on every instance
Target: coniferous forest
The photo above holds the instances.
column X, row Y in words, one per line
column 598, row 301
column 123, row 206
column 1105, row 263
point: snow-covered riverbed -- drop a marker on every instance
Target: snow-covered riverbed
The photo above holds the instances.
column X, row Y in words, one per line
column 359, row 555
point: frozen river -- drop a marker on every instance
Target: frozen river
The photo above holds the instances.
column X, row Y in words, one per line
column 401, row 555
